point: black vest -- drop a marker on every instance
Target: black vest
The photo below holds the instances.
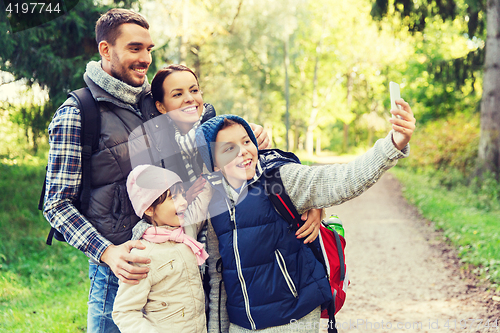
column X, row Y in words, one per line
column 110, row 210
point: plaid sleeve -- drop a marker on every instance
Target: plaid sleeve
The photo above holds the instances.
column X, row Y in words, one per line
column 64, row 174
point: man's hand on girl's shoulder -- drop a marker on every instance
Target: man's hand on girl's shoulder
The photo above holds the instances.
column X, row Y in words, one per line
column 120, row 261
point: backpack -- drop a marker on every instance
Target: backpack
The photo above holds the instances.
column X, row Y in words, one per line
column 89, row 138
column 329, row 250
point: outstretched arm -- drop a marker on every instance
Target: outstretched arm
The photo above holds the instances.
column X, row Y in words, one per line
column 327, row 185
column 324, row 186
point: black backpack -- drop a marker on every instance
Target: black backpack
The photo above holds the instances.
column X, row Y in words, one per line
column 89, row 138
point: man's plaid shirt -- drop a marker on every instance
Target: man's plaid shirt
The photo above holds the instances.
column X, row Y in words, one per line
column 64, row 175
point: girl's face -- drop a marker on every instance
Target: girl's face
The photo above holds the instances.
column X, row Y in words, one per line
column 183, row 101
column 171, row 210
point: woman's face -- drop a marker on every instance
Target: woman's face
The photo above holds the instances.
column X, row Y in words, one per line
column 183, row 101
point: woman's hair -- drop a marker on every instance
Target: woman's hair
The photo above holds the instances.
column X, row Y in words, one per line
column 157, row 83
column 175, row 189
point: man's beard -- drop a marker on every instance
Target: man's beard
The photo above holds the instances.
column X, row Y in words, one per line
column 121, row 73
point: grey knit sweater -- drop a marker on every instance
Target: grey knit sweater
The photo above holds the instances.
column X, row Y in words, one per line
column 310, row 187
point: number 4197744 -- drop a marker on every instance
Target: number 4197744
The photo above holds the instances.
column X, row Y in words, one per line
column 32, row 7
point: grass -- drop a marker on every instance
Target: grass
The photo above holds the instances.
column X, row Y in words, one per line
column 42, row 288
column 468, row 215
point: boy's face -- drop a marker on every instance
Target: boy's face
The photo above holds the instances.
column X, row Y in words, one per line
column 130, row 57
column 236, row 155
column 183, row 100
column 171, row 211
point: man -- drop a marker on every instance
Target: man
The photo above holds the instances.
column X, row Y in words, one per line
column 118, row 82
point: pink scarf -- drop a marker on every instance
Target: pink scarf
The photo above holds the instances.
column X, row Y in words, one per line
column 161, row 235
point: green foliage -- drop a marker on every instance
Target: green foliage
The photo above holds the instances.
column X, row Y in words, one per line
column 54, row 55
column 42, row 288
column 34, row 119
column 448, row 145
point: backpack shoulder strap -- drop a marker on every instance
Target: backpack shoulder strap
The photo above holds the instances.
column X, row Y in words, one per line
column 89, row 137
column 276, row 192
column 89, row 140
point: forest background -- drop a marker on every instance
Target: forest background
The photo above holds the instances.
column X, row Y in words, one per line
column 314, row 73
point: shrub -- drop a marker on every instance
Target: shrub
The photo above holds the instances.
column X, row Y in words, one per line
column 446, row 144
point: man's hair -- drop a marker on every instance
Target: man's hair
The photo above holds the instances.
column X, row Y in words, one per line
column 107, row 27
column 157, row 84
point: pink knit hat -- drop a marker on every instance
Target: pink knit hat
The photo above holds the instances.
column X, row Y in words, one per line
column 146, row 183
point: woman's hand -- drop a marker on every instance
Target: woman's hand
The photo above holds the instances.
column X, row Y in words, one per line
column 261, row 136
column 195, row 189
column 310, row 228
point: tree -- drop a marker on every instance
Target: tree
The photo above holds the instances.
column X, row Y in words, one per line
column 53, row 54
column 479, row 17
column 489, row 143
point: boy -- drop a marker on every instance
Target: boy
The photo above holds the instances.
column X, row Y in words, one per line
column 270, row 277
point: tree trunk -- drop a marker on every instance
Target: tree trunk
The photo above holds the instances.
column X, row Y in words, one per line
column 195, row 50
column 489, row 143
column 314, row 110
column 318, row 145
column 350, row 83
column 183, row 40
column 287, row 93
column 370, row 136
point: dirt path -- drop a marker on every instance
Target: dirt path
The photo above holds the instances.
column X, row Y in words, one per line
column 402, row 277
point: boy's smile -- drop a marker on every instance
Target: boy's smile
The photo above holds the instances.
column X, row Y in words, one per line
column 236, row 155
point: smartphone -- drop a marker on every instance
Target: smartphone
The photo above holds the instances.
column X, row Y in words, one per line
column 395, row 94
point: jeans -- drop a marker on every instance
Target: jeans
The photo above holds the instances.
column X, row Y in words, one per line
column 103, row 288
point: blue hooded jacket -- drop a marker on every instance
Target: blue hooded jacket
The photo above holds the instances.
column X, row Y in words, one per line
column 270, row 276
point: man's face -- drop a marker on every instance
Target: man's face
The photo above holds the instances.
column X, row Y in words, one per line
column 236, row 155
column 130, row 57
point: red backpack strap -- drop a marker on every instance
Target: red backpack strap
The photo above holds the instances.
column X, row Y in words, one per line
column 275, row 190
column 273, row 185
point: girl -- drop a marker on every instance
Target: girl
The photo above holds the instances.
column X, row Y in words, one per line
column 170, row 298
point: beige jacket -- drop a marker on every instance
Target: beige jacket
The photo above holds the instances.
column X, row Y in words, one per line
column 170, row 299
